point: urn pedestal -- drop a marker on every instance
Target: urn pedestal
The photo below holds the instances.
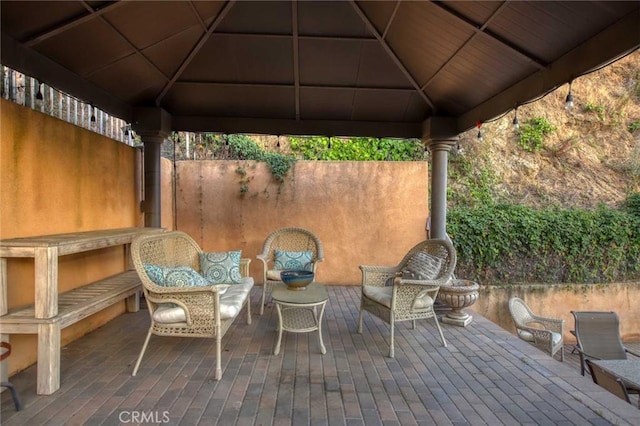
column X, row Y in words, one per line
column 458, row 294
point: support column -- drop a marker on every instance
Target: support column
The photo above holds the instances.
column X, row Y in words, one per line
column 152, row 181
column 439, row 149
column 154, row 126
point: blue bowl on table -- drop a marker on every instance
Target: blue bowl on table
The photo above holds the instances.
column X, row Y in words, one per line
column 297, row 279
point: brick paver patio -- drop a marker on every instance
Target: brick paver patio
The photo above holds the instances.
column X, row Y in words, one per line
column 485, row 376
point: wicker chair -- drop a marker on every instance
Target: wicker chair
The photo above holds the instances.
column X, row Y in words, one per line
column 286, row 240
column 200, row 306
column 407, row 291
column 543, row 332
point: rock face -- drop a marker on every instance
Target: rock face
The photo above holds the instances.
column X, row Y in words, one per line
column 592, row 157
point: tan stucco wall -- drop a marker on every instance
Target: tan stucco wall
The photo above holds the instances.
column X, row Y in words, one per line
column 364, row 212
column 557, row 301
column 54, row 178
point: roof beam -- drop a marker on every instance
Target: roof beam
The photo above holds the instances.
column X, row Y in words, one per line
column 615, row 41
column 51, row 32
column 271, row 126
column 301, row 86
column 195, row 50
column 392, row 55
column 296, row 59
column 482, row 29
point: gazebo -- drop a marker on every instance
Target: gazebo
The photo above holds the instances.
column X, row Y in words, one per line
column 427, row 70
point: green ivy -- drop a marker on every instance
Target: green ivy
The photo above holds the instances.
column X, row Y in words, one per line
column 632, row 127
column 505, row 243
column 532, row 134
column 357, row 149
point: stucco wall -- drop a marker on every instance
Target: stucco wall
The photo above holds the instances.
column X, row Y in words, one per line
column 363, row 212
column 557, row 301
column 54, row 178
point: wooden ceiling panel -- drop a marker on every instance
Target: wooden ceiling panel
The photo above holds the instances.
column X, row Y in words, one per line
column 379, row 105
column 379, row 13
column 326, row 104
column 319, row 18
column 36, row 17
column 169, row 54
column 258, row 17
column 424, row 37
column 376, row 69
column 330, row 62
column 208, row 10
column 251, row 59
column 140, row 77
column 222, row 100
column 86, row 48
column 144, row 27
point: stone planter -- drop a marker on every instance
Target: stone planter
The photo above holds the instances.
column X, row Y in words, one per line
column 458, row 294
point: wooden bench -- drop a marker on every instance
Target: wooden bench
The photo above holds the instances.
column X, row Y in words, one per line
column 51, row 311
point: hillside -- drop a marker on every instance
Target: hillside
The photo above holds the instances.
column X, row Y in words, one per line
column 591, row 158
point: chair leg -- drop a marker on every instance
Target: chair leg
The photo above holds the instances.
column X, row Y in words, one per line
column 144, row 348
column 444, row 342
column 249, row 308
column 562, row 354
column 264, row 292
column 360, row 319
column 14, row 395
column 391, row 328
column 218, row 371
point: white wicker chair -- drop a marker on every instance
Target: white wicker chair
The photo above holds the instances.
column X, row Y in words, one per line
column 286, row 239
column 407, row 291
column 543, row 332
column 201, row 305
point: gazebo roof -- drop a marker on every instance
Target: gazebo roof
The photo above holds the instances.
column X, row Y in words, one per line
column 371, row 68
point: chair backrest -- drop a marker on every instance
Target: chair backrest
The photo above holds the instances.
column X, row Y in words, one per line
column 608, row 381
column 520, row 312
column 164, row 249
column 434, row 258
column 292, row 239
column 598, row 334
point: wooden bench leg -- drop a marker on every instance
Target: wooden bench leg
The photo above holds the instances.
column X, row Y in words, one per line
column 133, row 302
column 48, row 358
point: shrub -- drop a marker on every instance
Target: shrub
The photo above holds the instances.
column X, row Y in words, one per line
column 504, row 243
column 532, row 134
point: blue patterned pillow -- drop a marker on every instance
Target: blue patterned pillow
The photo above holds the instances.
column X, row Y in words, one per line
column 293, row 260
column 178, row 276
column 221, row 267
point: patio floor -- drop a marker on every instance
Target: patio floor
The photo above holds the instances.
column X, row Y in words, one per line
column 484, row 376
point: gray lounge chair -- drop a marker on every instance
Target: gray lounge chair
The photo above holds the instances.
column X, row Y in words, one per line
column 608, row 381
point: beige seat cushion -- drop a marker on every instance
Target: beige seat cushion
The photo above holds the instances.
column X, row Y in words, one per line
column 525, row 335
column 274, row 275
column 232, row 299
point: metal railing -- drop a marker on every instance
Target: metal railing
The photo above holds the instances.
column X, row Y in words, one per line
column 31, row 93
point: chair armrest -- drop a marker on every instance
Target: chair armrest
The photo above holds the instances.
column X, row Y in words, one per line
column 540, row 336
column 553, row 324
column 244, row 267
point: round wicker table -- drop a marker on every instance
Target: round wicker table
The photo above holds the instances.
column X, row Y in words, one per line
column 298, row 311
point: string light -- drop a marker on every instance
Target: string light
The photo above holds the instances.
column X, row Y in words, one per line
column 478, row 125
column 568, row 104
column 93, row 114
column 515, row 122
column 39, row 95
